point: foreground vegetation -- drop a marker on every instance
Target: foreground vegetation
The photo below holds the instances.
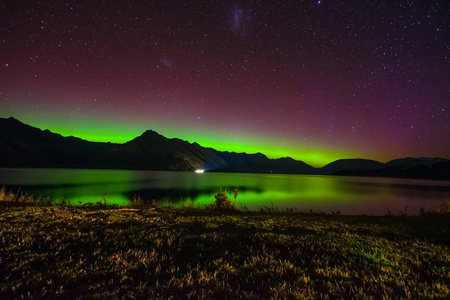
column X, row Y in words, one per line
column 101, row 251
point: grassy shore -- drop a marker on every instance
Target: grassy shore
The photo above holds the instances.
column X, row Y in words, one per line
column 160, row 253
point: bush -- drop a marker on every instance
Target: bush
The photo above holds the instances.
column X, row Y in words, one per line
column 223, row 202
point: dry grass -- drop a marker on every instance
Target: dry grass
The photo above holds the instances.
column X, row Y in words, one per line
column 18, row 197
column 160, row 253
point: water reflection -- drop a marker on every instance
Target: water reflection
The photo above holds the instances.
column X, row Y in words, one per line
column 349, row 195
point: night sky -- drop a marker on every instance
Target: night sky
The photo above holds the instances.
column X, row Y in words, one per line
column 314, row 80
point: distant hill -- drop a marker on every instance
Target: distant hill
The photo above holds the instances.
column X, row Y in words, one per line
column 423, row 167
column 420, row 168
column 411, row 162
column 259, row 163
column 348, row 166
column 22, row 145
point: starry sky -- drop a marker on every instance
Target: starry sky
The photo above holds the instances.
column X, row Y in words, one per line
column 314, row 80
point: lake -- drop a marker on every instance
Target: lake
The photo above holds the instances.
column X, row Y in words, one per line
column 348, row 195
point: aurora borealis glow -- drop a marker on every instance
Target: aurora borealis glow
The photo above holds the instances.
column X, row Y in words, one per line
column 314, row 80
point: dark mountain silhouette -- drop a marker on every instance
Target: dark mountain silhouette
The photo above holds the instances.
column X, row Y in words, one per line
column 25, row 146
column 423, row 167
column 420, row 168
column 349, row 166
column 259, row 163
column 22, row 145
column 411, row 162
column 152, row 151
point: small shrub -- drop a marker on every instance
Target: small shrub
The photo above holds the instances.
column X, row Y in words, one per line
column 223, row 202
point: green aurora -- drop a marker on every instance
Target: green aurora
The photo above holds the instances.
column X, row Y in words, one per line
column 102, row 129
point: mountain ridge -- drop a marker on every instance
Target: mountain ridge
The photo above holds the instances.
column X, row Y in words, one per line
column 22, row 145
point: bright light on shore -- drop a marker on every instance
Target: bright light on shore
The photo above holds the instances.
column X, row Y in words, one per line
column 199, row 171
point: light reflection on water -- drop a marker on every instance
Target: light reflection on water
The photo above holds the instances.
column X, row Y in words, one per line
column 349, row 195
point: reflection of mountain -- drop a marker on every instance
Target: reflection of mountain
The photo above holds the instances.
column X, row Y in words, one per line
column 25, row 146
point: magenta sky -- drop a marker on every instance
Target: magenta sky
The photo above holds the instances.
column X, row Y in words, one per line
column 318, row 80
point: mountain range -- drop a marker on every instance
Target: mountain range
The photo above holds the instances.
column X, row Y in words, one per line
column 24, row 146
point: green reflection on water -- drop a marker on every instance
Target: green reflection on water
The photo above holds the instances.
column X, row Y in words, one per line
column 119, row 187
column 74, row 186
column 287, row 193
column 348, row 194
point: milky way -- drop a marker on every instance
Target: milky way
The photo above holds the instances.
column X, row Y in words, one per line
column 314, row 80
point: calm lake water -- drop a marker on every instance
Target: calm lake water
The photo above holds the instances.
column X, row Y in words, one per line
column 349, row 195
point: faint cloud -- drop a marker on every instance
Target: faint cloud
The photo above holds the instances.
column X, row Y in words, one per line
column 239, row 19
column 166, row 62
